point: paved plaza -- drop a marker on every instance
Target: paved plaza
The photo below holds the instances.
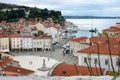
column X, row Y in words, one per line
column 35, row 63
column 56, row 55
column 34, row 60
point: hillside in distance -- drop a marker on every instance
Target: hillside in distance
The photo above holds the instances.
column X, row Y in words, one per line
column 90, row 17
column 12, row 12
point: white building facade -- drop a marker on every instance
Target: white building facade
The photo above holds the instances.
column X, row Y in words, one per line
column 16, row 43
column 4, row 43
column 78, row 44
column 51, row 31
column 103, row 50
column 42, row 43
column 27, row 42
column 104, row 60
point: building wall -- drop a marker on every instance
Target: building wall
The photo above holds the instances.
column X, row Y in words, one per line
column 38, row 43
column 4, row 44
column 75, row 46
column 118, row 24
column 52, row 32
column 103, row 60
column 6, row 55
column 16, row 43
column 40, row 26
column 47, row 43
column 27, row 43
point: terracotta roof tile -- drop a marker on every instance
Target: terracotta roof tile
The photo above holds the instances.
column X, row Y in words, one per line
column 8, row 73
column 118, row 23
column 21, row 71
column 64, row 69
column 103, row 48
column 43, row 37
column 80, row 39
column 97, row 39
column 113, row 29
column 5, row 61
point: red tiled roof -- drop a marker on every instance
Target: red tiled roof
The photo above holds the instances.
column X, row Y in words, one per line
column 118, row 23
column 15, row 36
column 80, row 39
column 19, row 70
column 8, row 73
column 5, row 61
column 43, row 37
column 4, row 35
column 103, row 48
column 97, row 39
column 113, row 29
column 26, row 36
column 47, row 37
column 64, row 69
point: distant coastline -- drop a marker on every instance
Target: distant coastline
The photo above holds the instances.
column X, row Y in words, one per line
column 89, row 17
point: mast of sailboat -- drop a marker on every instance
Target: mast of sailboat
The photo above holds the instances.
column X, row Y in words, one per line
column 91, row 26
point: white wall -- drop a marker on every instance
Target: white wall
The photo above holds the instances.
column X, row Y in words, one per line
column 52, row 32
column 27, row 43
column 102, row 60
column 16, row 43
column 42, row 43
column 75, row 46
column 38, row 43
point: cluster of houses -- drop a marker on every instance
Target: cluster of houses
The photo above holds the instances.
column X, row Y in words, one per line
column 11, row 67
column 97, row 49
column 28, row 35
column 100, row 53
column 97, row 55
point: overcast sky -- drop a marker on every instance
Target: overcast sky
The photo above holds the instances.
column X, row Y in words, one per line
column 75, row 7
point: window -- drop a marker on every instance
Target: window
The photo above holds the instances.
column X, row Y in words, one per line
column 95, row 60
column 106, row 61
column 85, row 60
column 2, row 46
column 17, row 45
column 118, row 63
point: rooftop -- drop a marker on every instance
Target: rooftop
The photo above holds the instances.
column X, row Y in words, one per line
column 65, row 69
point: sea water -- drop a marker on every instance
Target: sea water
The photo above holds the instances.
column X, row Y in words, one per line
column 87, row 24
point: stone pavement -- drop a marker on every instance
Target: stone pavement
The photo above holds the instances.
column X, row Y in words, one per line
column 57, row 78
column 57, row 55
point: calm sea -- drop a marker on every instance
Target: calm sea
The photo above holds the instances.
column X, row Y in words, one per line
column 87, row 24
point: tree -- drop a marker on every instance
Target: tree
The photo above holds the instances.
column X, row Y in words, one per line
column 89, row 63
column 108, row 42
column 99, row 59
column 88, row 67
column 104, row 33
column 96, row 66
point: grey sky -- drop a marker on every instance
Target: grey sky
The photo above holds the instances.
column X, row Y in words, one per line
column 75, row 7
